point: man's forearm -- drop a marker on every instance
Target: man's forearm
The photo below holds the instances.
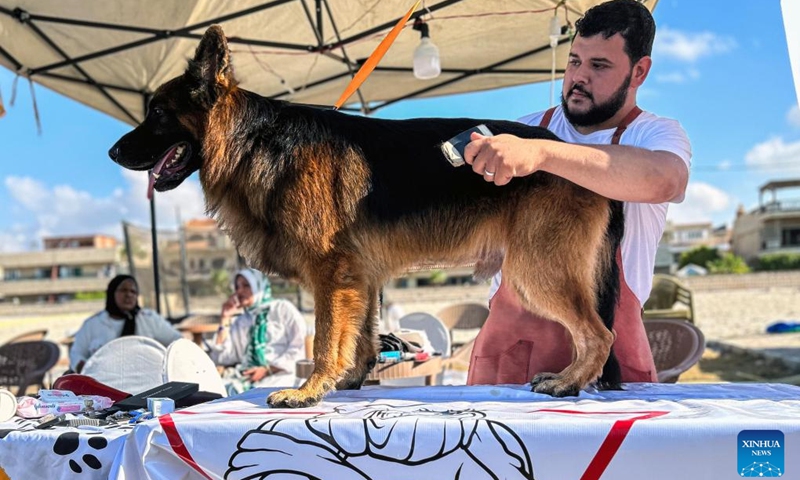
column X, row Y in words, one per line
column 619, row 172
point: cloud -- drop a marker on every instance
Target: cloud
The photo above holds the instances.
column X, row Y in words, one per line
column 678, row 76
column 703, row 203
column 64, row 210
column 793, row 116
column 725, row 165
column 689, row 47
column 773, row 152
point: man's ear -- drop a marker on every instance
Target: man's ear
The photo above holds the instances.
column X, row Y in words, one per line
column 640, row 71
column 211, row 67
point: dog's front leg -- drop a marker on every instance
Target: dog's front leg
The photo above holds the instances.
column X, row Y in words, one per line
column 341, row 307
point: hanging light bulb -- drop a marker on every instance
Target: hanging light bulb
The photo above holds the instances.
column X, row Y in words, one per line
column 426, row 55
column 555, row 31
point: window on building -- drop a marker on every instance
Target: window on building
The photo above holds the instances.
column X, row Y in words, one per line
column 790, row 237
column 218, row 263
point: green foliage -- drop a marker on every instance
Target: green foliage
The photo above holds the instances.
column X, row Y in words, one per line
column 438, row 277
column 728, row 263
column 222, row 282
column 779, row 261
column 700, row 256
column 90, row 296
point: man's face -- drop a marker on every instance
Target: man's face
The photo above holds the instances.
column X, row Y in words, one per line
column 597, row 79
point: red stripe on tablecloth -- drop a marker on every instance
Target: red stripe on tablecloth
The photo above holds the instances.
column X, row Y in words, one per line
column 611, row 444
column 176, row 442
column 613, row 440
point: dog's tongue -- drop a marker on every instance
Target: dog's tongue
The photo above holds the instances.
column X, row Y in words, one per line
column 151, row 180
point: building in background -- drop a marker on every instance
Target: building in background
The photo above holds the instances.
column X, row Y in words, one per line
column 67, row 268
column 680, row 238
column 772, row 227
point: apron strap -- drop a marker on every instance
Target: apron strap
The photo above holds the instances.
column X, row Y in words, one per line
column 629, row 118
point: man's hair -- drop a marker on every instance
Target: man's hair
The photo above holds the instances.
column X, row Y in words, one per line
column 629, row 18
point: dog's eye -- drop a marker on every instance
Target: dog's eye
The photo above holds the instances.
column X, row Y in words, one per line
column 158, row 111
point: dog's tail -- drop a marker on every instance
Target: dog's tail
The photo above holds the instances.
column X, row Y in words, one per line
column 608, row 290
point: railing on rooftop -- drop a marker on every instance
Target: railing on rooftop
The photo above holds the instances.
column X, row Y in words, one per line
column 791, row 205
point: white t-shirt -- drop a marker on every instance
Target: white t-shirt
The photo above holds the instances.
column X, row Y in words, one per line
column 100, row 329
column 644, row 222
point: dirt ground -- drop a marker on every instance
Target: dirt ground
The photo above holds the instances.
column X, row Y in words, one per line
column 717, row 366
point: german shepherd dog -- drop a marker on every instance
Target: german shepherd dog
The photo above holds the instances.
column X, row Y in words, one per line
column 342, row 203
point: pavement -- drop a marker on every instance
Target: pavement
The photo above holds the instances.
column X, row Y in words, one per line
column 782, row 348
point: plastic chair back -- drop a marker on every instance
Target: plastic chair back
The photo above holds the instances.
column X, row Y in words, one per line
column 132, row 364
column 676, row 345
column 23, row 364
column 187, row 362
column 433, row 327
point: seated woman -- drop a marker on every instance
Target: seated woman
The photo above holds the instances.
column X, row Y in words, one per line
column 264, row 342
column 122, row 317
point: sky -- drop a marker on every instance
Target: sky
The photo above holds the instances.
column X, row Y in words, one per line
column 720, row 67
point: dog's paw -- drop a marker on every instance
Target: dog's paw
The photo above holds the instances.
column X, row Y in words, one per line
column 554, row 385
column 292, row 398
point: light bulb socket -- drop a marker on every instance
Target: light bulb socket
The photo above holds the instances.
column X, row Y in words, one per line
column 422, row 27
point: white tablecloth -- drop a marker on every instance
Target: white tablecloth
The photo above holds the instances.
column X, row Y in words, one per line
column 650, row 431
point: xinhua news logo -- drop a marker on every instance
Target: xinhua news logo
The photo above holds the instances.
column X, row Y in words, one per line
column 760, row 453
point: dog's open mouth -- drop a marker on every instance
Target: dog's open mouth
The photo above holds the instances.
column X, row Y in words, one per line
column 168, row 168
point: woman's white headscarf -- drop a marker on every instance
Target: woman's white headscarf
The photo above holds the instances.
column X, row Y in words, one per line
column 262, row 299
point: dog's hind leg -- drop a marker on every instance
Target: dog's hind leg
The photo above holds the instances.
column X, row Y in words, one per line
column 551, row 261
column 341, row 298
column 366, row 348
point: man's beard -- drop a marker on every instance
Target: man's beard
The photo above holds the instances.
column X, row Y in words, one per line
column 597, row 114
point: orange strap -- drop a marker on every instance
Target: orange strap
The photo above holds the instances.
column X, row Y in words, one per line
column 373, row 59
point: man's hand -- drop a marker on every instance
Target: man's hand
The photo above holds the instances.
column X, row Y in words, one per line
column 502, row 157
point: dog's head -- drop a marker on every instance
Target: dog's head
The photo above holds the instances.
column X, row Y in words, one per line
column 169, row 140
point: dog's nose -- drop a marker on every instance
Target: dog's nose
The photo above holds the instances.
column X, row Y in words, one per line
column 114, row 152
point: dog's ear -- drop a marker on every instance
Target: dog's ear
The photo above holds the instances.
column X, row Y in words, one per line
column 211, row 69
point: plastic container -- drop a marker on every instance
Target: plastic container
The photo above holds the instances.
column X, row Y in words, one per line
column 8, row 405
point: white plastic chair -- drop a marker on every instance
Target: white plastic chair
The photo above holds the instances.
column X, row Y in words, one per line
column 434, row 328
column 185, row 361
column 131, row 364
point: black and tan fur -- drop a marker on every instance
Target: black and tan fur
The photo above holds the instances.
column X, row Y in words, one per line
column 343, row 203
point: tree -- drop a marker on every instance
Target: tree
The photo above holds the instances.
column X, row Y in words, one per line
column 729, row 263
column 700, row 256
column 438, row 277
column 221, row 281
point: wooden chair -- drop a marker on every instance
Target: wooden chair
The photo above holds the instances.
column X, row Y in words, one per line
column 676, row 344
column 32, row 336
column 23, row 364
column 669, row 298
column 464, row 320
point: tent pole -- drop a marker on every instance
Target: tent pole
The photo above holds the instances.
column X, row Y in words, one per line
column 154, row 238
column 153, row 233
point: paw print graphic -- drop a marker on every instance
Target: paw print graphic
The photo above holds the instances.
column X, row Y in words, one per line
column 69, row 442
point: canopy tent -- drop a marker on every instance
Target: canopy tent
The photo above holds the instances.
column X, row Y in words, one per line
column 791, row 23
column 112, row 55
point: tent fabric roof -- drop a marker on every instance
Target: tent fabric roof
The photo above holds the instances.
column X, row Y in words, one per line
column 112, row 55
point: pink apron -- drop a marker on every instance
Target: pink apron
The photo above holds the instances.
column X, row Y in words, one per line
column 514, row 345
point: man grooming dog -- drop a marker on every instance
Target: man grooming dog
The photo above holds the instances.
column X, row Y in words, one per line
column 646, row 166
column 343, row 203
